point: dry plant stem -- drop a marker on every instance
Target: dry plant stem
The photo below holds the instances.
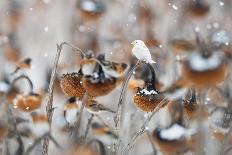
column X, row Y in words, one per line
column 142, row 129
column 228, row 150
column 19, row 138
column 88, row 125
column 118, row 114
column 37, row 141
column 152, row 145
column 49, row 101
column 122, row 95
column 227, row 135
column 201, row 140
column 75, row 131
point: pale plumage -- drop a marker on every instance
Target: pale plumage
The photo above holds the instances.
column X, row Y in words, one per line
column 141, row 52
column 71, row 109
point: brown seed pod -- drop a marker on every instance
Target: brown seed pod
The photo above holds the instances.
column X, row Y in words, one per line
column 148, row 102
column 100, row 88
column 71, row 85
column 176, row 146
column 205, row 76
column 91, row 9
column 197, row 9
column 28, row 102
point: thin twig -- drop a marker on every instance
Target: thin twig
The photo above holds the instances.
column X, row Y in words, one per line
column 88, row 125
column 121, row 97
column 75, row 130
column 201, row 140
column 142, row 129
column 37, row 141
column 49, row 101
column 152, row 144
column 117, row 118
column 13, row 121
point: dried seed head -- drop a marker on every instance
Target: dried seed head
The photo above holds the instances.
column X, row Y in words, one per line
column 147, row 100
column 90, row 9
column 204, row 78
column 170, row 145
column 71, row 85
column 197, row 9
column 99, row 88
column 27, row 102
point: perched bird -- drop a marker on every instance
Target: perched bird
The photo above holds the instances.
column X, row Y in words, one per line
column 25, row 64
column 71, row 110
column 88, row 66
column 141, row 52
column 113, row 69
column 40, row 124
column 101, row 130
column 94, row 107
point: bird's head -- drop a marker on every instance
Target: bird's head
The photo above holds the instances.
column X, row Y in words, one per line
column 138, row 43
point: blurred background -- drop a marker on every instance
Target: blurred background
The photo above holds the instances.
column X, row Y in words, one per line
column 33, row 28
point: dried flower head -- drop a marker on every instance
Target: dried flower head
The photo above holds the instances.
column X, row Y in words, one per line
column 106, row 76
column 204, row 71
column 71, row 85
column 99, row 86
column 147, row 100
column 174, row 139
column 197, row 9
column 27, row 102
column 91, row 9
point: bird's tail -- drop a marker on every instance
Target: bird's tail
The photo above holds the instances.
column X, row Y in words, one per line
column 151, row 61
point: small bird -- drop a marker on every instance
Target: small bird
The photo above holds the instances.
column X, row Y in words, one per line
column 113, row 69
column 141, row 52
column 71, row 110
column 94, row 107
column 40, row 124
column 101, row 130
column 88, row 66
column 25, row 64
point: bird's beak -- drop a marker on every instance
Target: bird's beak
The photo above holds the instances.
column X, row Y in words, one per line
column 133, row 43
